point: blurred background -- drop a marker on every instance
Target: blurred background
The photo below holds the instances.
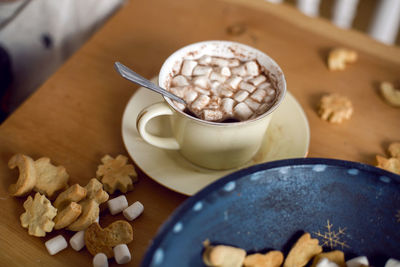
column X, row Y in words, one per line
column 37, row 36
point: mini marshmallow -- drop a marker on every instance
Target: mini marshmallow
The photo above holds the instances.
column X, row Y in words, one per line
column 269, row 98
column 77, row 241
column 100, row 260
column 179, row 80
column 201, row 90
column 270, row 91
column 202, row 70
column 252, row 68
column 133, row 211
column 215, row 102
column 227, row 105
column 200, row 102
column 56, row 244
column 246, row 86
column 204, row 60
column 258, row 80
column 226, row 93
column 225, row 71
column 264, row 85
column 179, row 105
column 187, row 67
column 122, row 254
column 252, row 104
column 258, row 95
column 241, row 95
column 263, row 108
column 392, row 263
column 324, row 262
column 242, row 111
column 220, row 62
column 357, row 262
column 211, row 115
column 240, row 70
column 178, row 91
column 190, row 96
column 234, row 82
column 215, row 76
column 118, row 204
column 233, row 62
column 201, row 81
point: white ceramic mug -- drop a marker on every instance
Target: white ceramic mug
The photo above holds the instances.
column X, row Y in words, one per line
column 210, row 144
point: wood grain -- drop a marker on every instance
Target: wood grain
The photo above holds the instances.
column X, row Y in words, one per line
column 75, row 117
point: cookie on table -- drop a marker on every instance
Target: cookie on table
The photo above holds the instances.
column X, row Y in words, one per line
column 335, row 108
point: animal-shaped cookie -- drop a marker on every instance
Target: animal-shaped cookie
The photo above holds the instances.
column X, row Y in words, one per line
column 99, row 240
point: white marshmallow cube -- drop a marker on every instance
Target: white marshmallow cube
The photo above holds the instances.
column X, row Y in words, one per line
column 263, row 108
column 56, row 244
column 201, row 81
column 179, row 80
column 214, row 103
column 188, row 66
column 246, row 86
column 258, row 80
column 179, row 105
column 122, row 254
column 100, row 260
column 220, row 62
column 258, row 95
column 357, row 262
column 392, row 263
column 252, row 68
column 211, row 115
column 233, row 62
column 264, row 85
column 202, row 70
column 239, row 70
column 215, row 76
column 234, row 82
column 133, row 211
column 227, row 105
column 252, row 104
column 118, row 204
column 204, row 60
column 241, row 95
column 200, row 102
column 77, row 241
column 324, row 262
column 178, row 91
column 242, row 111
column 226, row 93
column 225, row 71
column 201, row 90
column 190, row 96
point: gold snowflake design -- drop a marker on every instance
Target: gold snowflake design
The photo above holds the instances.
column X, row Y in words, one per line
column 398, row 215
column 332, row 238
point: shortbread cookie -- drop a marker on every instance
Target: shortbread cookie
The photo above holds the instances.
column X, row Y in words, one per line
column 335, row 256
column 335, row 108
column 38, row 215
column 50, row 178
column 339, row 57
column 390, row 93
column 270, row 259
column 115, row 174
column 394, row 150
column 27, row 174
column 303, row 251
column 95, row 191
column 223, row 256
column 100, row 240
column 389, row 164
column 90, row 212
column 67, row 215
column 74, row 193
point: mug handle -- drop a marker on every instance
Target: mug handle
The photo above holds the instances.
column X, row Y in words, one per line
column 148, row 113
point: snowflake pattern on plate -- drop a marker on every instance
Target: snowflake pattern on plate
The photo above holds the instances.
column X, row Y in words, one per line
column 332, row 238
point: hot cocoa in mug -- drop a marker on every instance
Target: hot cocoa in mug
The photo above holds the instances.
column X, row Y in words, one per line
column 231, row 91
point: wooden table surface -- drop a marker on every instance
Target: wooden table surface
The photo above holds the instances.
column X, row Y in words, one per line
column 75, row 117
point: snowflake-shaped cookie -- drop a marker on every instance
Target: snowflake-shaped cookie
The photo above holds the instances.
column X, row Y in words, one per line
column 38, row 215
column 335, row 108
column 116, row 174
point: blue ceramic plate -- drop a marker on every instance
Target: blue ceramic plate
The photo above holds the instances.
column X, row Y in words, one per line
column 348, row 206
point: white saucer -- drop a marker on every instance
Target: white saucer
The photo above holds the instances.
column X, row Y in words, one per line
column 288, row 136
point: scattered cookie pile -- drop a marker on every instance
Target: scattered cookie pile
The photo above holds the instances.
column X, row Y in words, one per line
column 392, row 163
column 302, row 252
column 77, row 208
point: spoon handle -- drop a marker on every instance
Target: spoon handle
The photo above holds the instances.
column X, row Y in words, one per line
column 132, row 76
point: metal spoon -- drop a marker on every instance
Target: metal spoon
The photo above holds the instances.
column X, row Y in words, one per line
column 132, row 76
